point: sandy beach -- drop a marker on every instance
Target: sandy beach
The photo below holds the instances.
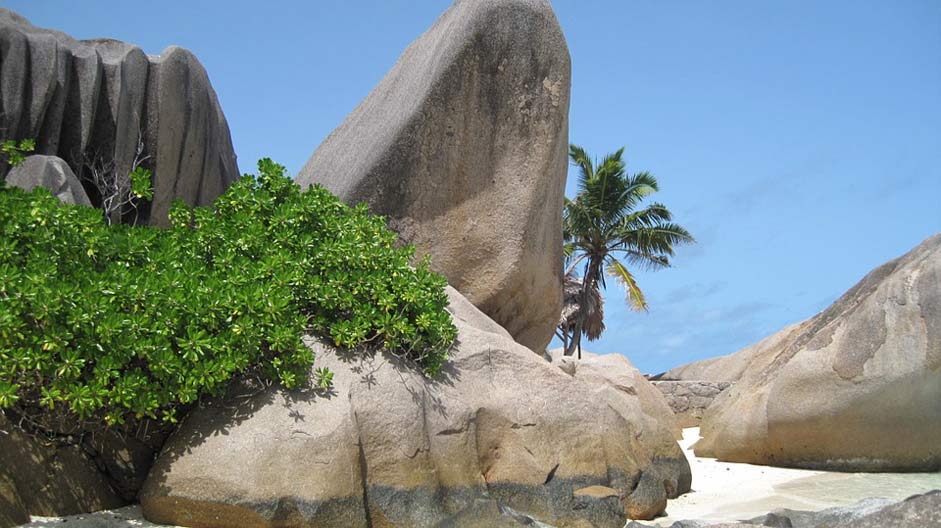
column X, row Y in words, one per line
column 724, row 491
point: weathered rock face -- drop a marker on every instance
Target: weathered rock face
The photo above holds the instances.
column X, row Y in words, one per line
column 857, row 387
column 463, row 147
column 96, row 99
column 52, row 173
column 617, row 372
column 500, row 427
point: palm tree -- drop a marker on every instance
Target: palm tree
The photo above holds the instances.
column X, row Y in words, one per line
column 573, row 307
column 604, row 232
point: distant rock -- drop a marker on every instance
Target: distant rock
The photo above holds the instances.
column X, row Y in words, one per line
column 857, row 387
column 501, row 430
column 617, row 372
column 95, row 99
column 463, row 147
column 50, row 172
column 689, row 400
column 730, row 368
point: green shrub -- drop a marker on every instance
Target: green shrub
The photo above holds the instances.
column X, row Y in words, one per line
column 116, row 322
column 16, row 151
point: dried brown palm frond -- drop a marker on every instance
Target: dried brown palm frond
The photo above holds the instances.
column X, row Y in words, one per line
column 593, row 324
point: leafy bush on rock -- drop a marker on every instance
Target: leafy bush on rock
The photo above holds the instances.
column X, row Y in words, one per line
column 118, row 322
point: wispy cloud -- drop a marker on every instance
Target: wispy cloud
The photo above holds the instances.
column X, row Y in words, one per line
column 697, row 290
column 788, row 185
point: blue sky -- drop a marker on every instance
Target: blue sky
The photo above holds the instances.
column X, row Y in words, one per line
column 800, row 141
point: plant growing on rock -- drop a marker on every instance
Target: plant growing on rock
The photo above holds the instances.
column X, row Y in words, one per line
column 602, row 230
column 113, row 323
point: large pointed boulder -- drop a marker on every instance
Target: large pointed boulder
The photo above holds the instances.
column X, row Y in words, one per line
column 105, row 103
column 501, row 430
column 857, row 387
column 462, row 146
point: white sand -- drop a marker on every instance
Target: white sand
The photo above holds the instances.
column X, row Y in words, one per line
column 722, row 491
column 128, row 517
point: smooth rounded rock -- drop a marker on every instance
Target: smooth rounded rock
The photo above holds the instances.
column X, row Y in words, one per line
column 50, row 172
column 617, row 372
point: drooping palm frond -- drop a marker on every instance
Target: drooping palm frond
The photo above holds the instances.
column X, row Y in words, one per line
column 635, row 297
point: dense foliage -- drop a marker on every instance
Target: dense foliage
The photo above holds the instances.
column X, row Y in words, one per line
column 115, row 322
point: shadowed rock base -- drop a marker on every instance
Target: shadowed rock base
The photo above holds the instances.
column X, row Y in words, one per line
column 498, row 505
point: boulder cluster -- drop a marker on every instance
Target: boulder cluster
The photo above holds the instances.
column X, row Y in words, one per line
column 500, row 426
column 462, row 147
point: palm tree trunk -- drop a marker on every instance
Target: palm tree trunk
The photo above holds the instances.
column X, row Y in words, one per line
column 592, row 269
column 575, row 343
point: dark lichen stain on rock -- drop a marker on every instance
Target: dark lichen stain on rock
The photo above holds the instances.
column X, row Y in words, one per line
column 928, row 286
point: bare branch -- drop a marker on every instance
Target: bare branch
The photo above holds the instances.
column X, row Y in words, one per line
column 115, row 190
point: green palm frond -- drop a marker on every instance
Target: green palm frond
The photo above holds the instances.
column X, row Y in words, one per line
column 653, row 214
column 581, row 160
column 635, row 297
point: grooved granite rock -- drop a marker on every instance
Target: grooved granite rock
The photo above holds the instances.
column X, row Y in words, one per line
column 95, row 99
column 389, row 447
column 857, row 387
column 463, row 147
